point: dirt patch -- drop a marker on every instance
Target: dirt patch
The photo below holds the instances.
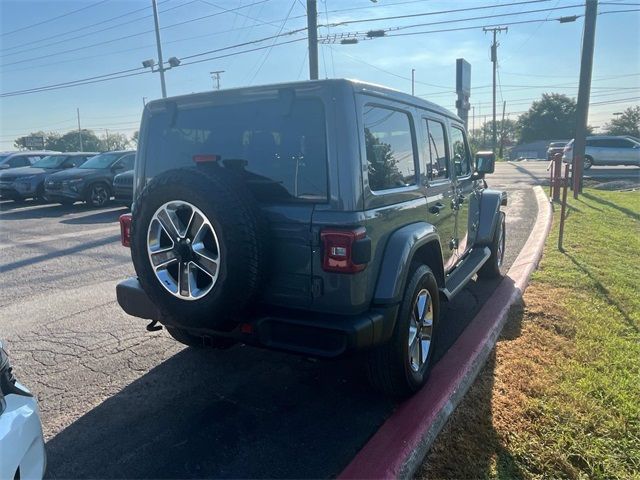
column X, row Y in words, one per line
column 500, row 406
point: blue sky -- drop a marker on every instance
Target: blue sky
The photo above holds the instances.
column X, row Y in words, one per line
column 534, row 57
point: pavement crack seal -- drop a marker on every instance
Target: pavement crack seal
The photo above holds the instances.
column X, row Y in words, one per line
column 397, row 449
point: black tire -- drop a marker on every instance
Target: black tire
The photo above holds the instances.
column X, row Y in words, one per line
column 98, row 194
column 588, row 162
column 191, row 340
column 491, row 268
column 389, row 366
column 241, row 237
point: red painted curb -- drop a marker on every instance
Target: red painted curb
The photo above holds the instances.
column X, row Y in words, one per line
column 398, row 447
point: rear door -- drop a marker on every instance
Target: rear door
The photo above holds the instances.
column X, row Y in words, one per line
column 440, row 191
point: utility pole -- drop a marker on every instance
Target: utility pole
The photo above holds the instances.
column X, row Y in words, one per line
column 473, row 119
column 584, row 88
column 484, row 132
column 312, row 33
column 216, row 77
column 159, row 45
column 413, row 81
column 504, row 107
column 494, row 60
column 79, row 129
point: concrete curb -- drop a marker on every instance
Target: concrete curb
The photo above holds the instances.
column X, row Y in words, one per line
column 399, row 446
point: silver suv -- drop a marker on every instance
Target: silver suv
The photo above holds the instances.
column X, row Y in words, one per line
column 607, row 150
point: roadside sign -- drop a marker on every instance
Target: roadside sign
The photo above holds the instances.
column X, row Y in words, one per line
column 463, row 77
column 34, row 142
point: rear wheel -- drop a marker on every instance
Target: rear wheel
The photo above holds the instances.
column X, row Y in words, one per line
column 401, row 366
column 491, row 268
column 98, row 195
column 588, row 162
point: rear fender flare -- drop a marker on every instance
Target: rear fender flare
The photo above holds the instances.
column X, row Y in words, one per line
column 401, row 248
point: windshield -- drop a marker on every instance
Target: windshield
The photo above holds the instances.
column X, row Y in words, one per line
column 52, row 161
column 104, row 160
column 279, row 146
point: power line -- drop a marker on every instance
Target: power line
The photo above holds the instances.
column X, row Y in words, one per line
column 102, row 22
column 440, row 12
column 42, row 22
column 84, row 47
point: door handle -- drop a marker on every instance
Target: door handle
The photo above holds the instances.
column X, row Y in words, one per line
column 436, row 208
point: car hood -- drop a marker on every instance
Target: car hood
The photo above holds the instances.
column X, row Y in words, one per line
column 22, row 172
column 77, row 173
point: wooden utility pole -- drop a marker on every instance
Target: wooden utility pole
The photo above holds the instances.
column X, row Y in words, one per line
column 312, row 34
column 79, row 129
column 504, row 107
column 584, row 88
column 494, row 60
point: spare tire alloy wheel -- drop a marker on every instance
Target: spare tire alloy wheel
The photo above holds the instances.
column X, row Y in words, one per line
column 99, row 195
column 183, row 249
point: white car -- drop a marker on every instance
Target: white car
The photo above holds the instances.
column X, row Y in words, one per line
column 607, row 150
column 22, row 454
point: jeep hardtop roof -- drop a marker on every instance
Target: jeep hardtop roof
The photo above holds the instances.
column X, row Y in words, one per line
column 355, row 85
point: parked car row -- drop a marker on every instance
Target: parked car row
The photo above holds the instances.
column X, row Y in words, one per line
column 67, row 178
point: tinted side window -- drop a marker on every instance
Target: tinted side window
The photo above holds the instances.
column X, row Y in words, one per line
column 127, row 162
column 389, row 144
column 19, row 162
column 460, row 152
column 435, row 151
column 620, row 143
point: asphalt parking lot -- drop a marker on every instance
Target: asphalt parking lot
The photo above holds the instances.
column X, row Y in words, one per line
column 118, row 401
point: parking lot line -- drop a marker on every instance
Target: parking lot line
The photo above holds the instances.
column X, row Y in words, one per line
column 33, row 241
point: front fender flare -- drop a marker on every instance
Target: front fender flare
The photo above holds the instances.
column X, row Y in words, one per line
column 399, row 251
column 489, row 205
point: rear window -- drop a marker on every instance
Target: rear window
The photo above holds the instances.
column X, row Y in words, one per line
column 279, row 145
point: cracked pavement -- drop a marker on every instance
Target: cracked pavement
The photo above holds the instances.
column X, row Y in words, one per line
column 118, row 401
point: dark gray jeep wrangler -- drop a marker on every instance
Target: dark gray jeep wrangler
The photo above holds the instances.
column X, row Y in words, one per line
column 316, row 217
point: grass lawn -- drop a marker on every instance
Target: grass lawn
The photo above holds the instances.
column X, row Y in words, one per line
column 560, row 395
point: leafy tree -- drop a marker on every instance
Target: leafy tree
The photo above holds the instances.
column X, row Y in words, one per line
column 481, row 138
column 134, row 138
column 115, row 141
column 69, row 142
column 553, row 116
column 626, row 124
column 49, row 139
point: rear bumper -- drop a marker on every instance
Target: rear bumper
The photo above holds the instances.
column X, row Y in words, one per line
column 309, row 333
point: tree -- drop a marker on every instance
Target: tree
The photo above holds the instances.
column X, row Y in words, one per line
column 114, row 141
column 49, row 139
column 626, row 124
column 481, row 138
column 553, row 116
column 134, row 138
column 69, row 142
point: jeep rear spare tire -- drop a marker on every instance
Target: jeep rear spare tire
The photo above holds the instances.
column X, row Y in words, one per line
column 198, row 246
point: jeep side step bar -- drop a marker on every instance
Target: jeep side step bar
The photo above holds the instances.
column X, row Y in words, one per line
column 463, row 273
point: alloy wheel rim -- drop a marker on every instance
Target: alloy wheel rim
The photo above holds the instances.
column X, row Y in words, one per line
column 420, row 330
column 183, row 250
column 98, row 195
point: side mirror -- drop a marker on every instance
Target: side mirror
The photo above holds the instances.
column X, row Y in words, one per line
column 485, row 162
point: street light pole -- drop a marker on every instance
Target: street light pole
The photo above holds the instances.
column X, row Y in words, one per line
column 159, row 45
column 584, row 88
column 413, row 81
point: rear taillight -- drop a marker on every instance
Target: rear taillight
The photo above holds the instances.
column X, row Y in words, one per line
column 345, row 251
column 125, row 229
